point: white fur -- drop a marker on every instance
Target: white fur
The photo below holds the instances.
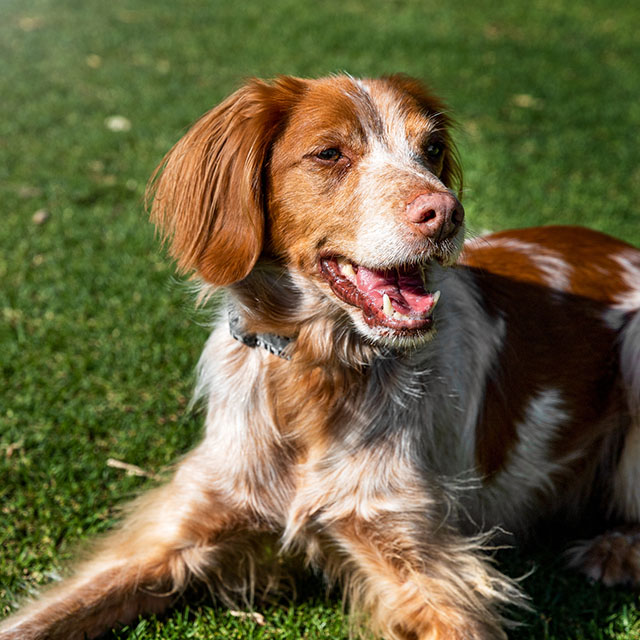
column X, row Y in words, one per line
column 630, row 271
column 383, row 237
column 627, row 478
column 552, row 266
column 516, row 494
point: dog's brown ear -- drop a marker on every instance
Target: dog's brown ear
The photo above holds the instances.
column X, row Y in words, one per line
column 451, row 174
column 207, row 193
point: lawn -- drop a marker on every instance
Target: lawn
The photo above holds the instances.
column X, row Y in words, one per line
column 98, row 339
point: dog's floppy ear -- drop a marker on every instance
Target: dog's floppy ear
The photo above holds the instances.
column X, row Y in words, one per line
column 451, row 174
column 207, row 193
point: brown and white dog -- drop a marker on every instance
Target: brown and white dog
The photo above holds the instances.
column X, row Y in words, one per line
column 413, row 393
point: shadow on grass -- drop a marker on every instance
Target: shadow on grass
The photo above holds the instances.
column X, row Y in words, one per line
column 564, row 603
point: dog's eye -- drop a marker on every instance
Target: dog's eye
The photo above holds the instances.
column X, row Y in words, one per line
column 329, row 155
column 433, row 150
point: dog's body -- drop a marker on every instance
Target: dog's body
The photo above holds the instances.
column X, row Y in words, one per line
column 384, row 433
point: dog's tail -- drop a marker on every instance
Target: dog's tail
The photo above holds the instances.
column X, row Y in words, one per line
column 630, row 364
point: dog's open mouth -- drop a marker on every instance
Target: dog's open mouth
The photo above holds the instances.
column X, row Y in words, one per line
column 392, row 298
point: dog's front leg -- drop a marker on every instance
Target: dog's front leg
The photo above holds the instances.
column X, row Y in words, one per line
column 414, row 582
column 184, row 530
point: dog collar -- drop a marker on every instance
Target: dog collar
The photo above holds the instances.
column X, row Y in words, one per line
column 270, row 341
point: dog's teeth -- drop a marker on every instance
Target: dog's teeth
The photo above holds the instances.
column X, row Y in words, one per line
column 347, row 269
column 386, row 305
column 436, row 297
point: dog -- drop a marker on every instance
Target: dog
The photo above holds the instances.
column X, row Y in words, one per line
column 382, row 398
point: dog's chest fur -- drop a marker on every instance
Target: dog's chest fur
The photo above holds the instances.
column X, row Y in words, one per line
column 399, row 422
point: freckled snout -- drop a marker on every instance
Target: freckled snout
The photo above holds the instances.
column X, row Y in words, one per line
column 436, row 215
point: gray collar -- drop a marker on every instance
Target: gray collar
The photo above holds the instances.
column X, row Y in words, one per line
column 271, row 342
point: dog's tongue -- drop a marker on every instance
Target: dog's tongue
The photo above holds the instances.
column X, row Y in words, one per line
column 404, row 288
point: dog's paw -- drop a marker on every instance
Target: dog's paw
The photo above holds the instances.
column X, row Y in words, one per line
column 612, row 558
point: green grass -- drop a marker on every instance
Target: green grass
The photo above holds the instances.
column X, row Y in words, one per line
column 98, row 341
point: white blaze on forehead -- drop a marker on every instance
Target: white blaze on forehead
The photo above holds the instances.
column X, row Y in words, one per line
column 389, row 147
column 392, row 121
column 387, row 133
column 390, row 173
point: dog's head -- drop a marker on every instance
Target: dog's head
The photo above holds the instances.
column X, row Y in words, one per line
column 348, row 184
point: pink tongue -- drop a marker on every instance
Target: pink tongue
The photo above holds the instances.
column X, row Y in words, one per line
column 405, row 290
